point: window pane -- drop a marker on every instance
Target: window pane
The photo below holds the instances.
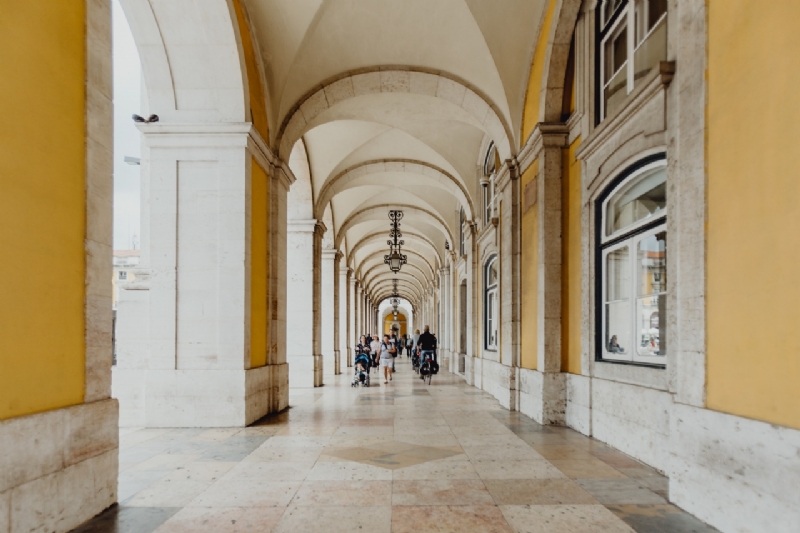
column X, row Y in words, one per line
column 652, row 264
column 492, row 274
column 617, row 307
column 652, row 330
column 639, row 199
column 618, row 319
column 618, row 278
column 609, row 7
column 656, row 9
column 616, row 51
column 615, row 77
column 651, row 51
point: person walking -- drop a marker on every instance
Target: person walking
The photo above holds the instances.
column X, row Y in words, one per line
column 393, row 341
column 409, row 345
column 375, row 351
column 416, row 342
column 387, row 351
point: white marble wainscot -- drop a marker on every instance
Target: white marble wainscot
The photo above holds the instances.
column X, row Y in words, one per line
column 633, row 419
column 737, row 474
column 266, row 391
column 477, row 372
column 542, row 396
column 498, row 380
column 58, row 468
column 469, row 370
column 133, row 337
column 578, row 413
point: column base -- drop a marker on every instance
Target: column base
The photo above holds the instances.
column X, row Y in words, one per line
column 199, row 397
column 58, row 468
column 542, row 396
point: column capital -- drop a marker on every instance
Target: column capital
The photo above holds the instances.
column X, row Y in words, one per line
column 301, row 225
column 320, row 228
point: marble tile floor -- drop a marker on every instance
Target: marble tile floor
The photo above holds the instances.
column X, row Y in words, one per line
column 402, row 457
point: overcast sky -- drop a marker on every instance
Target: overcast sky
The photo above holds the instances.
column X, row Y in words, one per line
column 127, row 79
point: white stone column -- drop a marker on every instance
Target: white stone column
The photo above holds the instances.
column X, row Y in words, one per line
column 327, row 317
column 447, row 305
column 319, row 232
column 352, row 338
column 357, row 310
column 300, row 302
column 341, row 325
column 190, row 365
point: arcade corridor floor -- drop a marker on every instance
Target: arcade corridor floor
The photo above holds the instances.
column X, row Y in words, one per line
column 402, row 457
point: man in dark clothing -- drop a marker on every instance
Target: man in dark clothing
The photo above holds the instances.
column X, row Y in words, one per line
column 427, row 344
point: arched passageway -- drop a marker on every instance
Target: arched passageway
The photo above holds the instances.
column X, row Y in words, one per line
column 582, row 208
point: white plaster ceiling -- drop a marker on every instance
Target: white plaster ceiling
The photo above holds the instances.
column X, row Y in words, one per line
column 482, row 48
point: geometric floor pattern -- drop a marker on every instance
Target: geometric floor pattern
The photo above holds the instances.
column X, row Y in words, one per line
column 402, row 457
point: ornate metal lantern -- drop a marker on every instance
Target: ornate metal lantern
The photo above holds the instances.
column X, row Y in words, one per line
column 395, row 259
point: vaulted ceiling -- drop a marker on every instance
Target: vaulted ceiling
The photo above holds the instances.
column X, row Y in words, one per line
column 394, row 103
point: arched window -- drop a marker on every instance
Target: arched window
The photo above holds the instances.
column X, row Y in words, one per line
column 491, row 304
column 631, row 39
column 490, row 164
column 632, row 265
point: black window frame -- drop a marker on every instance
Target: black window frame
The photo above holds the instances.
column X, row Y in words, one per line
column 599, row 246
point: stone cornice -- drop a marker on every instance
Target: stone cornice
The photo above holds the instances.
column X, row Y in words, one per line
column 302, row 226
column 656, row 81
column 216, row 135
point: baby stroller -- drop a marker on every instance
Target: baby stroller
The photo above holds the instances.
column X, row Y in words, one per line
column 361, row 375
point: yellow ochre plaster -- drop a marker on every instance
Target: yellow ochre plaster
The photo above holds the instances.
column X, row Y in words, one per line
column 753, row 224
column 259, row 265
column 571, row 261
column 258, row 104
column 530, row 113
column 42, row 206
column 530, row 269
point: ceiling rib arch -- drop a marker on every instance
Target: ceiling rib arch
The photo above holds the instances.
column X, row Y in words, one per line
column 395, row 79
column 368, row 239
column 370, row 277
column 378, row 262
column 387, row 284
column 368, row 213
column 370, row 281
column 339, row 182
column 385, row 294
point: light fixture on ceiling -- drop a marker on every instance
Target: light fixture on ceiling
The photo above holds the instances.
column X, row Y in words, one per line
column 395, row 259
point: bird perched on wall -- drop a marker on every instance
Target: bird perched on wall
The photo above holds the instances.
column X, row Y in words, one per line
column 148, row 120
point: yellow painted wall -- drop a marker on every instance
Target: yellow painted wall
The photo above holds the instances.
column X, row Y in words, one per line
column 571, row 261
column 258, row 105
column 259, row 265
column 42, row 206
column 753, row 226
column 389, row 320
column 530, row 114
column 530, row 272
